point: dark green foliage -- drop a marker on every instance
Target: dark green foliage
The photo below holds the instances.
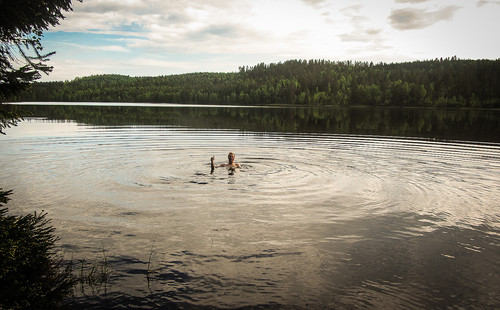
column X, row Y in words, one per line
column 22, row 23
column 445, row 83
column 30, row 16
column 9, row 116
column 31, row 274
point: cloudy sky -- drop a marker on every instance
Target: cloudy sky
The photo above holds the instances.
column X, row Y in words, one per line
column 160, row 37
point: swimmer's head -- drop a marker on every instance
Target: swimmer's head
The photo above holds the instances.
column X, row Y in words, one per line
column 231, row 156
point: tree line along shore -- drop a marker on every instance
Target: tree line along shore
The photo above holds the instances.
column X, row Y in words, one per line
column 449, row 82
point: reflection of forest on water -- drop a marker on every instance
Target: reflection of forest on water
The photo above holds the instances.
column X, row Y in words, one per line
column 460, row 124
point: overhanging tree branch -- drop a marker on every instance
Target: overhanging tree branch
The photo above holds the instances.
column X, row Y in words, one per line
column 22, row 23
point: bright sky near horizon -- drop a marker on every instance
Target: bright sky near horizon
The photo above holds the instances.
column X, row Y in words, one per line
column 156, row 37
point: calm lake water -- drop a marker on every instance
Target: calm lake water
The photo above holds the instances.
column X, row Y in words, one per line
column 333, row 208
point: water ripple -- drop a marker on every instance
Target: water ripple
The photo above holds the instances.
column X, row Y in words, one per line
column 372, row 219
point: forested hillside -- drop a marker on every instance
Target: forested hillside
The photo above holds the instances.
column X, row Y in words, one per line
column 447, row 82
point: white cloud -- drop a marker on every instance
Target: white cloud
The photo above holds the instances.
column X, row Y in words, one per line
column 219, row 34
column 485, row 2
column 411, row 1
column 158, row 63
column 412, row 18
column 68, row 69
column 107, row 48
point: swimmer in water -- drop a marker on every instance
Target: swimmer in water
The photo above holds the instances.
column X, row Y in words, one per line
column 231, row 164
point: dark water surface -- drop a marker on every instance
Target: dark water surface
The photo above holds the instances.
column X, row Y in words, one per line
column 343, row 209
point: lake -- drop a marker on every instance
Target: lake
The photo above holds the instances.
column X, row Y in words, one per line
column 332, row 208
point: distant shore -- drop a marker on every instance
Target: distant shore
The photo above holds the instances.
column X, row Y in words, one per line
column 447, row 82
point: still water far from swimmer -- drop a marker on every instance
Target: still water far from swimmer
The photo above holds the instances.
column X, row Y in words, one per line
column 309, row 220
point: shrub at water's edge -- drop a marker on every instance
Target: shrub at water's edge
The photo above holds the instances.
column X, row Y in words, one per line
column 31, row 273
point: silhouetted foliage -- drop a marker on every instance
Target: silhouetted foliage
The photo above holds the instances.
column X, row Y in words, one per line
column 22, row 61
column 21, row 27
column 9, row 116
column 31, row 274
column 445, row 83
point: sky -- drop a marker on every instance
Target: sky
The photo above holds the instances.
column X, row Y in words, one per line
column 159, row 37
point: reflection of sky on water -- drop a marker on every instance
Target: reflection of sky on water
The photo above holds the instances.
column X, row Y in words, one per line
column 41, row 127
column 127, row 164
column 310, row 219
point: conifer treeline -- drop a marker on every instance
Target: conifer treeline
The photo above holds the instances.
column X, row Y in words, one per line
column 447, row 82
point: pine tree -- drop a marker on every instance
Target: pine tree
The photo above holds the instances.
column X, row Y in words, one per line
column 22, row 60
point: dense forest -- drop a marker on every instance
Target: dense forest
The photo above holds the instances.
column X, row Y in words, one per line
column 449, row 82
